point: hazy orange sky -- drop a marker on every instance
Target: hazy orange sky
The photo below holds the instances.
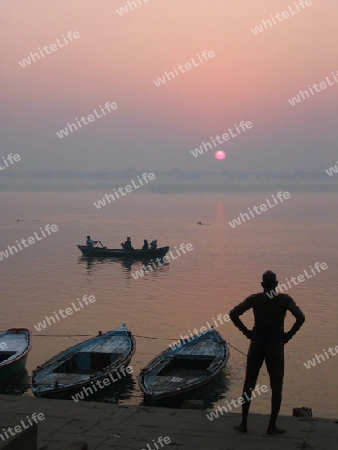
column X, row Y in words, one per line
column 117, row 58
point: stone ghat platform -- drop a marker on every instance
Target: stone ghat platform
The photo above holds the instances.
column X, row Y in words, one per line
column 103, row 426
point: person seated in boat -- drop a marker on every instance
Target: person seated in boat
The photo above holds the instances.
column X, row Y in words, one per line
column 91, row 243
column 127, row 244
column 153, row 244
column 145, row 245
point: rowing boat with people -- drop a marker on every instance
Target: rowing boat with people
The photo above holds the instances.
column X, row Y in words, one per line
column 122, row 253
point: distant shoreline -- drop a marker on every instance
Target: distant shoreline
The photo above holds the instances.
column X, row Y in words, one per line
column 172, row 182
column 168, row 189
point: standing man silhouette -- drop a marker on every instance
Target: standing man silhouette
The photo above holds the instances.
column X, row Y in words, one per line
column 267, row 343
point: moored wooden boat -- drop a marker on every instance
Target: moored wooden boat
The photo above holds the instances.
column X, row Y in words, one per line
column 17, row 385
column 84, row 364
column 184, row 367
column 121, row 253
column 15, row 344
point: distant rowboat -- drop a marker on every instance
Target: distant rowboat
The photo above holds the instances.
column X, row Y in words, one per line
column 187, row 366
column 15, row 344
column 84, row 364
column 120, row 253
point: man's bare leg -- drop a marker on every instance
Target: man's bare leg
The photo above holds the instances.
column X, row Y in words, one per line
column 254, row 363
column 275, row 366
column 276, row 401
column 243, row 426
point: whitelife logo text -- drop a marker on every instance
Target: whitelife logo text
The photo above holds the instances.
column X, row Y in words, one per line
column 146, row 177
column 186, row 339
column 91, row 118
column 312, row 362
column 103, row 383
column 161, row 261
column 53, row 47
column 11, row 159
column 281, row 16
column 300, row 278
column 241, row 400
column 68, row 312
column 262, row 208
column 129, row 6
column 316, row 87
column 12, row 431
column 31, row 240
column 187, row 66
column 225, row 136
column 332, row 170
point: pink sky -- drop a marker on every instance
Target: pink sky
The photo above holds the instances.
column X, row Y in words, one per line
column 117, row 58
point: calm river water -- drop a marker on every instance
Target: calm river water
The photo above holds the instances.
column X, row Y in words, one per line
column 223, row 268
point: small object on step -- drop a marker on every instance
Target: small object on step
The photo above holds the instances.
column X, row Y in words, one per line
column 302, row 412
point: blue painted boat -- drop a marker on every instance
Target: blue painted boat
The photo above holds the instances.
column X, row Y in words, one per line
column 84, row 364
column 15, row 345
column 187, row 365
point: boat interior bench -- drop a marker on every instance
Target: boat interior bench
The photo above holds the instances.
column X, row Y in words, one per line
column 186, row 364
column 87, row 362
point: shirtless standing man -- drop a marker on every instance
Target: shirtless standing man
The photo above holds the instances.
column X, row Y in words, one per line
column 267, row 343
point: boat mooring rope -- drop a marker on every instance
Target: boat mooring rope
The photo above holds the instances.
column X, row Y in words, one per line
column 63, row 335
column 148, row 337
column 135, row 335
column 90, row 335
column 236, row 349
